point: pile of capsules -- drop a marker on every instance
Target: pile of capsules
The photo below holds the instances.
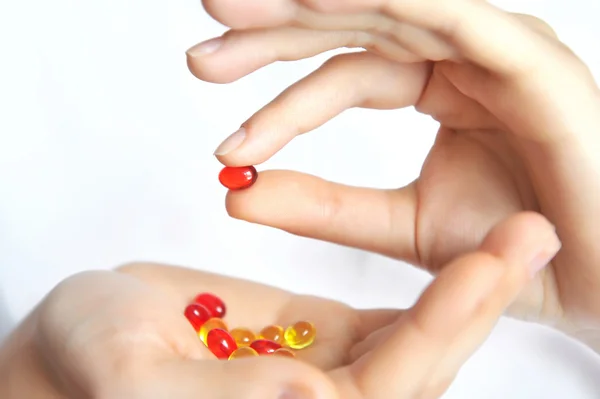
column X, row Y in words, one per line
column 206, row 314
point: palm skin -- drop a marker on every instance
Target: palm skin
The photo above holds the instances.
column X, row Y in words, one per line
column 255, row 306
column 137, row 323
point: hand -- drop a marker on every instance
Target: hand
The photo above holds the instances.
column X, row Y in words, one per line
column 520, row 125
column 123, row 334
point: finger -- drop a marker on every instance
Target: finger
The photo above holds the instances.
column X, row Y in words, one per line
column 374, row 324
column 380, row 221
column 254, row 378
column 471, row 292
column 504, row 244
column 350, row 80
column 535, row 77
column 238, row 53
column 372, row 320
column 426, row 44
column 240, row 14
column 472, row 26
column 537, row 24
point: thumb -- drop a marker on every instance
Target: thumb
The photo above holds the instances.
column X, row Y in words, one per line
column 429, row 344
column 253, row 378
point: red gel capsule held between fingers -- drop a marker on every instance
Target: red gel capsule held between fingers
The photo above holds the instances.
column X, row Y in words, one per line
column 220, row 343
column 213, row 303
column 238, row 178
column 197, row 315
column 264, row 347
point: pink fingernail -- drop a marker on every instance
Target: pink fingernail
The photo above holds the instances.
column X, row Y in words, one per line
column 205, row 48
column 231, row 143
column 543, row 257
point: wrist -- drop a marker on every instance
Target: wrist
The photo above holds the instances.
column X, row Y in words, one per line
column 23, row 372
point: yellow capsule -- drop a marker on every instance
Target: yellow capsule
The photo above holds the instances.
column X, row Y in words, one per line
column 243, row 336
column 300, row 335
column 243, row 352
column 272, row 333
column 284, row 353
column 211, row 324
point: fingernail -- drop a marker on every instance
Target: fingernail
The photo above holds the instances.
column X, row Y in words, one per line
column 205, row 48
column 231, row 143
column 543, row 257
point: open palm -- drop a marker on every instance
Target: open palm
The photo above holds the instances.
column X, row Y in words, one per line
column 517, row 112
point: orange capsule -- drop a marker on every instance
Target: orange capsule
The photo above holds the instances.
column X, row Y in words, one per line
column 272, row 333
column 243, row 352
column 243, row 336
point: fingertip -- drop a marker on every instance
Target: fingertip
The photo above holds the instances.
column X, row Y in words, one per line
column 263, row 201
column 247, row 146
column 521, row 237
column 212, row 68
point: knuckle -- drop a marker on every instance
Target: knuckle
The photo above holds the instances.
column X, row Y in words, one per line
column 132, row 267
column 537, row 24
column 361, row 39
column 331, row 206
column 141, row 270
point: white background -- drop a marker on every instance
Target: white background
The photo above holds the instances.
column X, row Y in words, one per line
column 106, row 148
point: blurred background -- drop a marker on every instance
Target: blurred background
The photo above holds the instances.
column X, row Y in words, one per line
column 106, row 145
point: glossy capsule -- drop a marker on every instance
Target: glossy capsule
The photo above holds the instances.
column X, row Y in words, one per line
column 243, row 336
column 265, row 347
column 238, row 178
column 284, row 352
column 213, row 303
column 272, row 333
column 220, row 343
column 211, row 324
column 300, row 335
column 197, row 315
column 243, row 352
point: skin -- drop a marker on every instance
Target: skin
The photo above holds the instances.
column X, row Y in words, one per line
column 122, row 334
column 110, row 334
column 519, row 118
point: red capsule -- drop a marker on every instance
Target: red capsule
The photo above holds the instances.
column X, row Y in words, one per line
column 238, row 178
column 213, row 303
column 220, row 343
column 264, row 346
column 197, row 315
